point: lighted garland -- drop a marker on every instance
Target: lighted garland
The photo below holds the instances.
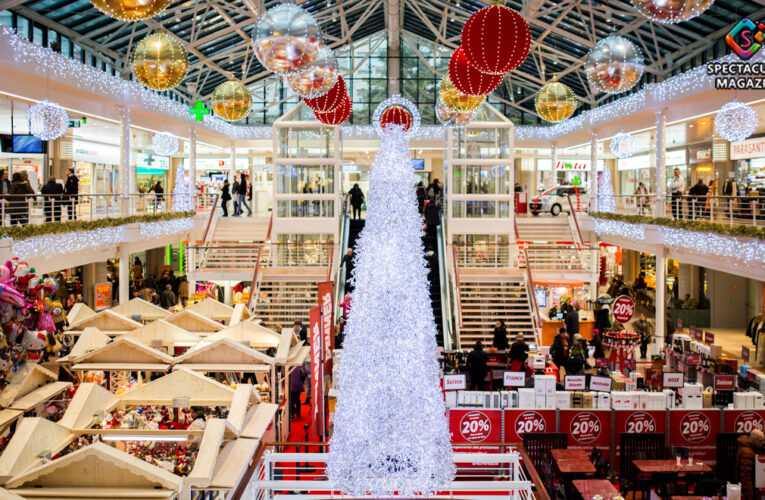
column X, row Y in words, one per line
column 736, row 121
column 396, row 115
column 623, row 145
column 48, row 120
column 450, row 118
column 164, row 144
column 397, row 100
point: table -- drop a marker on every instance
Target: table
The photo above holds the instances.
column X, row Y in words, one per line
column 558, row 455
column 575, row 466
column 588, row 488
column 670, row 466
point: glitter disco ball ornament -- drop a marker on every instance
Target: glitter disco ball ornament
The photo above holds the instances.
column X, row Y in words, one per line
column 671, row 11
column 555, row 102
column 450, row 118
column 318, row 79
column 736, row 121
column 286, row 39
column 469, row 80
column 396, row 115
column 623, row 145
column 496, row 40
column 48, row 120
column 614, row 65
column 455, row 100
column 130, row 10
column 231, row 101
column 164, row 144
column 159, row 61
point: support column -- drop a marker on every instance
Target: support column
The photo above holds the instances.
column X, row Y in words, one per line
column 124, row 291
column 661, row 159
column 125, row 160
column 593, row 169
column 511, row 189
column 553, row 162
column 661, row 301
column 228, row 293
column 232, row 167
column 193, row 165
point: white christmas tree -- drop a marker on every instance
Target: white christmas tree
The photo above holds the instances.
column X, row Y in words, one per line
column 605, row 202
column 182, row 199
column 390, row 432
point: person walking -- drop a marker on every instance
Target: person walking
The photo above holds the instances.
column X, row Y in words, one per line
column 357, row 200
column 235, row 196
column 183, row 290
column 571, row 320
column 748, row 448
column 168, row 298
column 698, row 194
column 730, row 190
column 242, row 196
column 641, row 198
column 297, row 381
column 644, row 328
column 577, row 357
column 71, row 190
column 499, row 342
column 434, row 190
column 476, row 362
column 597, row 343
column 225, row 196
column 559, row 349
column 158, row 194
column 421, row 196
column 676, row 189
column 52, row 193
column 19, row 208
column 518, row 353
column 5, row 190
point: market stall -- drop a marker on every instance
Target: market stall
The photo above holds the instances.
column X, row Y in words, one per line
column 161, row 334
column 141, row 310
column 79, row 312
column 108, row 321
column 195, row 323
column 211, row 308
column 258, row 336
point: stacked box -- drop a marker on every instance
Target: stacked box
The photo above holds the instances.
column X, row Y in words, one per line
column 604, row 400
column 588, row 400
column 576, row 399
column 563, row 400
column 670, row 395
column 692, row 396
column 526, row 398
column 451, row 399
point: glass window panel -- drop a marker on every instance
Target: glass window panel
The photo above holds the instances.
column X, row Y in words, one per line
column 306, row 179
column 22, row 27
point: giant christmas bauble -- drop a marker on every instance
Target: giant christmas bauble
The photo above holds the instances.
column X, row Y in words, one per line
column 555, row 102
column 130, row 10
column 614, row 65
column 496, row 40
column 469, row 80
column 231, row 101
column 339, row 115
column 331, row 100
column 286, row 39
column 396, row 115
column 318, row 78
column 159, row 61
column 736, row 121
column 451, row 118
column 456, row 100
column 671, row 11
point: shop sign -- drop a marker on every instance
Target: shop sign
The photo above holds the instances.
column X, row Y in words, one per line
column 317, row 373
column 750, row 148
column 575, row 382
column 515, row 379
column 676, row 157
column 637, row 422
column 633, row 163
column 143, row 160
column 698, row 334
column 672, row 380
column 709, row 338
column 475, row 426
column 725, row 382
column 692, row 332
column 600, row 384
column 520, row 422
column 74, row 123
column 745, row 353
column 103, row 293
column 701, row 154
column 586, row 429
column 696, row 430
column 543, row 165
column 92, row 152
column 623, row 309
column 221, row 163
column 327, row 322
column 744, row 420
column 692, row 359
column 455, row 382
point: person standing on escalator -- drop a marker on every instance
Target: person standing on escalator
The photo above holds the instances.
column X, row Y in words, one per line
column 357, row 200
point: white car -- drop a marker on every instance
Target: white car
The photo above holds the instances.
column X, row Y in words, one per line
column 555, row 200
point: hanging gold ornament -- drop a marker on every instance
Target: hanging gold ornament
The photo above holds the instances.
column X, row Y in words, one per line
column 231, row 101
column 555, row 102
column 450, row 118
column 455, row 100
column 159, row 61
column 479, row 115
column 130, row 10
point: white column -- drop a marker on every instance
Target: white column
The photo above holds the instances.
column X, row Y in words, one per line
column 553, row 162
column 661, row 301
column 232, row 167
column 593, row 168
column 124, row 291
column 125, row 160
column 661, row 159
column 511, row 188
column 228, row 293
column 193, row 164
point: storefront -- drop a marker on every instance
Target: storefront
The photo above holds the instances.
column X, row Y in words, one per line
column 749, row 159
column 700, row 161
column 633, row 171
column 151, row 169
column 96, row 165
column 568, row 171
column 676, row 159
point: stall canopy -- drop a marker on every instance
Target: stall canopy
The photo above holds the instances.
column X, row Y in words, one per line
column 124, row 354
column 199, row 389
column 194, row 322
column 33, row 436
column 240, row 314
column 28, row 378
column 90, row 339
column 107, row 321
column 161, row 333
column 257, row 336
column 211, row 308
column 224, row 355
column 139, row 308
column 90, row 400
column 79, row 312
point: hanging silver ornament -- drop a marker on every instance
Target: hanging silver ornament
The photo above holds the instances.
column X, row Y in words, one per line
column 164, row 144
column 623, row 145
column 736, row 121
column 318, row 79
column 614, row 65
column 286, row 39
column 48, row 120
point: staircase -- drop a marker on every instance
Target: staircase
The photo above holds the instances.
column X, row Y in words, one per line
column 354, row 231
column 544, row 229
column 241, row 229
column 279, row 303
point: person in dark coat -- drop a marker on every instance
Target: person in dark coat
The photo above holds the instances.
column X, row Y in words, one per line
column 18, row 207
column 235, row 196
column 500, row 342
column 602, row 318
column 242, row 196
column 71, row 190
column 225, row 196
column 297, row 379
column 697, row 200
column 644, row 328
column 168, row 298
column 52, row 193
column 519, row 351
column 748, row 448
column 432, row 219
column 571, row 320
column 559, row 349
column 597, row 343
column 421, row 196
column 357, row 199
column 476, row 362
column 5, row 190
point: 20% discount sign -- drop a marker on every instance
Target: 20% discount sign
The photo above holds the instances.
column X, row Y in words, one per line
column 475, row 427
column 585, row 427
column 623, row 309
column 640, row 422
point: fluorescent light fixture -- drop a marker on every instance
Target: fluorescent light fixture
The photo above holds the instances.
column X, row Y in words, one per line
column 141, row 437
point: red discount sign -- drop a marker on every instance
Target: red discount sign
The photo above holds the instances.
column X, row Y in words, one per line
column 586, row 429
column 695, row 427
column 744, row 420
column 520, row 422
column 623, row 309
column 637, row 422
column 697, row 430
column 640, row 422
column 475, row 426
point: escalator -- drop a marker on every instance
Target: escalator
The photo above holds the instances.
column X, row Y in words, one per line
column 350, row 231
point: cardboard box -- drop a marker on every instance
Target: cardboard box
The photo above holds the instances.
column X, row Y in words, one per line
column 587, row 400
column 563, row 400
column 451, row 399
column 526, row 398
column 576, row 399
column 540, row 400
column 706, row 398
column 604, row 400
column 550, row 401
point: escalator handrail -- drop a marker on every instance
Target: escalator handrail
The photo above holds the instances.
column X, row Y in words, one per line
column 443, row 277
column 340, row 277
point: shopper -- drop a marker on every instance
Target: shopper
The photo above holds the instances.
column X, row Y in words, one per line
column 597, row 344
column 698, row 198
column 730, row 190
column 168, row 298
column 434, row 190
column 559, row 349
column 670, row 329
column 20, row 193
column 517, row 188
column 577, row 356
column 676, row 189
column 571, row 320
column 225, row 196
column 644, row 328
column 346, row 305
column 158, row 196
column 432, row 219
column 339, row 332
column 52, row 192
column 347, row 260
column 242, row 195
column 235, row 195
column 183, row 291
column 297, row 381
column 518, row 353
column 602, row 317
column 476, row 363
column 300, row 330
column 421, row 197
column 357, row 200
column 71, row 190
column 198, row 423
column 641, row 198
column 748, row 448
column 5, row 190
column 500, row 342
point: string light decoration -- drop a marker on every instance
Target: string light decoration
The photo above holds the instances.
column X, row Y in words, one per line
column 319, row 78
column 617, row 228
column 286, row 39
column 736, row 121
column 496, row 40
column 455, row 100
column 47, row 120
column 388, row 437
column 131, row 10
column 396, row 115
column 164, row 144
column 605, row 202
column 450, row 118
column 623, row 145
column 672, row 11
column 614, row 65
column 392, row 101
column 555, row 102
column 338, row 115
column 182, row 199
column 331, row 100
column 469, row 80
column 231, row 101
column 159, row 61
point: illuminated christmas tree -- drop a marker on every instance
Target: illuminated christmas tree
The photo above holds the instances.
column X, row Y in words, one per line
column 605, row 201
column 182, row 199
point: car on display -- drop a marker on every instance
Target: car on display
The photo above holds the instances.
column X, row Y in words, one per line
column 555, row 200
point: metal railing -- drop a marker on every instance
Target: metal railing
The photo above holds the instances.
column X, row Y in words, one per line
column 532, row 299
column 450, row 339
column 212, row 256
column 255, row 283
column 558, row 256
column 483, row 254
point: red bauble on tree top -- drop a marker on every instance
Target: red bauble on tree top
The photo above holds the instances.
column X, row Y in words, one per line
column 339, row 115
column 469, row 80
column 396, row 115
column 331, row 100
column 496, row 40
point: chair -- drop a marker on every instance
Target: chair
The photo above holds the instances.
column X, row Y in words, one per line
column 727, row 448
column 679, row 451
column 539, row 444
column 646, row 446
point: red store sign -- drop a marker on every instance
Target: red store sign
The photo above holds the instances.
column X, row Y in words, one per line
column 697, row 430
column 475, row 426
column 519, row 422
column 586, row 428
column 744, row 420
column 637, row 422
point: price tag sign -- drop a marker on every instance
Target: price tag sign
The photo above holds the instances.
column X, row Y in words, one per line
column 623, row 309
column 515, row 379
column 698, row 334
column 692, row 331
column 585, row 427
column 695, row 427
column 679, row 324
column 709, row 337
column 725, row 382
column 745, row 353
column 475, row 427
column 693, row 359
column 601, row 362
column 575, row 382
column 672, row 380
column 600, row 384
column 455, row 382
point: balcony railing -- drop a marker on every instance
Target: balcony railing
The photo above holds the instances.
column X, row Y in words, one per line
column 483, row 254
column 232, row 256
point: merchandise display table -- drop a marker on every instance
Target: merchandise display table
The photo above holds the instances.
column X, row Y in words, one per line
column 559, row 455
column 575, row 466
column 588, row 488
column 670, row 466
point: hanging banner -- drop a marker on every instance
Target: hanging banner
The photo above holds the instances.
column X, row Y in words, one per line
column 317, row 373
column 476, row 427
column 744, row 420
column 586, row 429
column 636, row 422
column 103, row 296
column 519, row 422
column 327, row 322
column 697, row 430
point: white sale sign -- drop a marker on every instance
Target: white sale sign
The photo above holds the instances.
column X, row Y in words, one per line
column 515, row 379
column 600, row 384
column 455, row 382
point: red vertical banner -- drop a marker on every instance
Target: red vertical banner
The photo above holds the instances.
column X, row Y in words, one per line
column 586, row 429
column 317, row 373
column 636, row 422
column 697, row 430
column 327, row 322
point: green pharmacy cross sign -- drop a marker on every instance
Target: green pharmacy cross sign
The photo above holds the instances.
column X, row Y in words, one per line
column 199, row 111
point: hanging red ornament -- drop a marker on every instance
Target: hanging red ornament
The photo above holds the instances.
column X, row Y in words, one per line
column 396, row 115
column 469, row 80
column 329, row 101
column 339, row 115
column 496, row 40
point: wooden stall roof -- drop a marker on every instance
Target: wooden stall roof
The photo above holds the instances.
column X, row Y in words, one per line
column 224, row 352
column 164, row 331
column 33, row 436
column 93, row 472
column 194, row 322
column 7, row 417
column 183, row 383
column 298, row 355
column 258, row 419
column 240, row 314
column 108, row 322
column 27, row 378
column 211, row 308
column 232, row 463
column 48, row 391
column 89, row 400
column 7, row 495
column 258, row 337
column 91, row 338
column 142, row 308
column 244, row 395
column 79, row 312
column 125, row 350
column 209, row 448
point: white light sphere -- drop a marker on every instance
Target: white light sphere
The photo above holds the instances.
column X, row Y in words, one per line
column 623, row 145
column 736, row 121
column 614, row 65
column 48, row 120
column 318, row 79
column 164, row 144
column 286, row 39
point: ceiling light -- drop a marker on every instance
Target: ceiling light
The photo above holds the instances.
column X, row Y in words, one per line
column 142, row 437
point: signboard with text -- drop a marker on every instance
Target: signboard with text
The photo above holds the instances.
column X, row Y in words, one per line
column 514, row 379
column 519, row 422
column 744, row 421
column 725, row 382
column 672, row 380
column 600, row 384
column 103, row 296
column 709, row 338
column 317, row 373
column 586, row 428
column 623, row 309
column 745, row 353
column 696, row 430
column 327, row 322
column 637, row 422
column 455, row 382
column 574, row 382
column 476, row 427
